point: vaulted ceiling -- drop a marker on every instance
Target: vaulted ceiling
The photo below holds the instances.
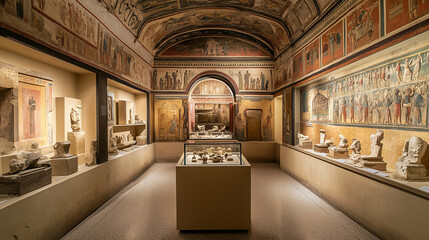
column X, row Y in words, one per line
column 269, row 24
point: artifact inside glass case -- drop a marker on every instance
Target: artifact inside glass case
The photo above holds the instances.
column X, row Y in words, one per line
column 217, row 153
column 215, row 132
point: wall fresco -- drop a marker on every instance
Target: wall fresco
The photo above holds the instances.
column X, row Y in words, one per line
column 68, row 27
column 70, row 16
column 214, row 47
column 401, row 12
column 169, row 120
column 283, row 70
column 390, row 94
column 298, row 65
column 253, row 103
column 332, row 44
column 363, row 25
column 247, row 79
column 312, row 56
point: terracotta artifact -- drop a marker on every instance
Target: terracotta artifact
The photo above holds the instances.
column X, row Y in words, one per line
column 304, row 141
column 374, row 160
column 324, row 144
column 340, row 151
column 409, row 166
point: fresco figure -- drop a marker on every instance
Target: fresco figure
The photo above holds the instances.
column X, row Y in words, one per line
column 419, row 103
column 32, row 108
column 262, row 87
column 352, row 109
column 408, row 94
column 417, row 64
column 173, row 124
column 397, row 111
column 246, row 80
column 388, row 115
column 398, row 72
column 240, row 80
column 343, row 107
column 365, row 107
column 407, row 72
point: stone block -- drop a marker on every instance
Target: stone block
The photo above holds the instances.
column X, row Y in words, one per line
column 64, row 166
column 77, row 140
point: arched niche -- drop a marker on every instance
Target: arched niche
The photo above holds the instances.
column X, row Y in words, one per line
column 211, row 102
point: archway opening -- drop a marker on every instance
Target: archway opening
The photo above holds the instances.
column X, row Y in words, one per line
column 211, row 104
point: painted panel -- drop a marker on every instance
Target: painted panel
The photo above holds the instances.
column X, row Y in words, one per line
column 401, row 12
column 312, row 58
column 363, row 25
column 298, row 70
column 332, row 44
column 33, row 108
column 170, row 117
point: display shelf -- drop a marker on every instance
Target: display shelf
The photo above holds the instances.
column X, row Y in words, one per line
column 419, row 188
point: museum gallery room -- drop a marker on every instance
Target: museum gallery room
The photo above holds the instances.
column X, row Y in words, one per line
column 214, row 119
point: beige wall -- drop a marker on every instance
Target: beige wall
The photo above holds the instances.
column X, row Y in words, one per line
column 53, row 210
column 87, row 93
column 387, row 211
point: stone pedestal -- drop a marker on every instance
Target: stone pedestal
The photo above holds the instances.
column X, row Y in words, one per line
column 338, row 154
column 64, row 166
column 306, row 144
column 77, row 140
column 25, row 181
column 321, row 149
column 412, row 172
column 372, row 162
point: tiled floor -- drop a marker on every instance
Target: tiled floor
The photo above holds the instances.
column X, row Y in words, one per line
column 282, row 208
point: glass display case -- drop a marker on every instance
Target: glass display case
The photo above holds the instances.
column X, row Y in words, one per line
column 212, row 153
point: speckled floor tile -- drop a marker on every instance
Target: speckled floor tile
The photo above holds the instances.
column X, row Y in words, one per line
column 282, row 208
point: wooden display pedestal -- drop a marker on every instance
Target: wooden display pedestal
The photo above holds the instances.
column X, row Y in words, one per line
column 64, row 166
column 25, row 181
column 213, row 197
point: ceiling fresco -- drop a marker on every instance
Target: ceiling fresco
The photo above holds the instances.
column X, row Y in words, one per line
column 214, row 47
column 277, row 22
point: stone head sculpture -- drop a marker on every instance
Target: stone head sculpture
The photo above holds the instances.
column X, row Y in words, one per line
column 414, row 150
